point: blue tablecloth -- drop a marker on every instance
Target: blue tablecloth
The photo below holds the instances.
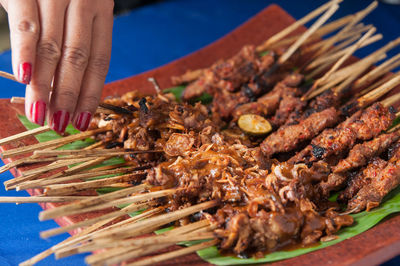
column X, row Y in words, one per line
column 144, row 39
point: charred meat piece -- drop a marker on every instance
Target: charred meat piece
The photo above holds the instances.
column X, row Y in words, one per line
column 229, row 74
column 268, row 103
column 371, row 195
column 362, row 125
column 372, row 122
column 287, row 138
column 361, row 153
column 361, row 179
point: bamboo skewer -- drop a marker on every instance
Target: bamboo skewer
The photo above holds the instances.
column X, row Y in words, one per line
column 101, row 109
column 326, row 29
column 378, row 71
column 102, row 199
column 334, row 56
column 332, row 9
column 72, row 247
column 356, row 18
column 51, row 143
column 95, row 152
column 123, row 201
column 24, row 134
column 280, row 35
column 137, row 228
column 67, row 241
column 117, row 254
column 84, row 164
column 380, row 91
column 345, row 57
column 392, row 99
column 124, row 211
column 45, row 181
column 33, row 199
column 174, row 254
column 72, row 188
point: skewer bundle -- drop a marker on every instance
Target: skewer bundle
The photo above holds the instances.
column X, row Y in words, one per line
column 193, row 167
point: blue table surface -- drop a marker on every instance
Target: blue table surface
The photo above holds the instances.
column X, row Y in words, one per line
column 144, row 39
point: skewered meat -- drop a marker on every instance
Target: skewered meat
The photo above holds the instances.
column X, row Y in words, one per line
column 287, row 138
column 230, row 74
column 267, row 104
column 371, row 195
column 361, row 179
column 360, row 126
column 358, row 156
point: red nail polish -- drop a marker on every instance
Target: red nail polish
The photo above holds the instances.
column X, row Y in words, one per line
column 82, row 121
column 38, row 112
column 25, row 73
column 60, row 121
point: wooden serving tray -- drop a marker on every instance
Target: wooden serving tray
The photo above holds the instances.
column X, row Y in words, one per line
column 374, row 246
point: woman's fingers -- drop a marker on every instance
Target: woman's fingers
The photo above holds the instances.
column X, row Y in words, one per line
column 97, row 68
column 48, row 54
column 71, row 68
column 24, row 33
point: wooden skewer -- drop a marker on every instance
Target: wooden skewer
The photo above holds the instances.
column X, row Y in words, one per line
column 345, row 56
column 349, row 37
column 376, row 84
column 95, row 152
column 22, row 161
column 356, row 18
column 103, row 108
column 373, row 74
column 8, row 76
column 48, row 252
column 128, row 200
column 25, row 134
column 392, row 99
column 85, row 163
column 51, row 143
column 298, row 23
column 174, row 254
column 380, row 91
column 334, row 56
column 326, row 29
column 68, row 209
column 129, row 209
column 70, row 248
column 137, row 228
column 73, row 188
column 344, row 73
column 118, row 254
column 45, row 182
column 41, row 199
column 332, row 9
column 53, row 166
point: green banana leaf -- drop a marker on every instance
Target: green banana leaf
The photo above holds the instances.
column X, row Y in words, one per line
column 363, row 221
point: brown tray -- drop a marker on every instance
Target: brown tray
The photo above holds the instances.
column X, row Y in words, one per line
column 374, row 246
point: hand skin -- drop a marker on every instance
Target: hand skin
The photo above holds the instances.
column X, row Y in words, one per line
column 61, row 49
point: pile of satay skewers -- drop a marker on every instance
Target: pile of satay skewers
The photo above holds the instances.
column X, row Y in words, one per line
column 212, row 171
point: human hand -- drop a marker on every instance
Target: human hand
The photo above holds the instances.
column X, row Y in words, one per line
column 61, row 50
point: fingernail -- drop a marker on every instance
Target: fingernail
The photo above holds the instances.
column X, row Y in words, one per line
column 82, row 121
column 38, row 112
column 60, row 121
column 25, row 73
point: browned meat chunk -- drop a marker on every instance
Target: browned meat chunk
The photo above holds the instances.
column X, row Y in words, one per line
column 361, row 153
column 287, row 138
column 362, row 179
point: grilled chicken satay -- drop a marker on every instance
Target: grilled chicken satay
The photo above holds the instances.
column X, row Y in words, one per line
column 372, row 194
column 358, row 156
